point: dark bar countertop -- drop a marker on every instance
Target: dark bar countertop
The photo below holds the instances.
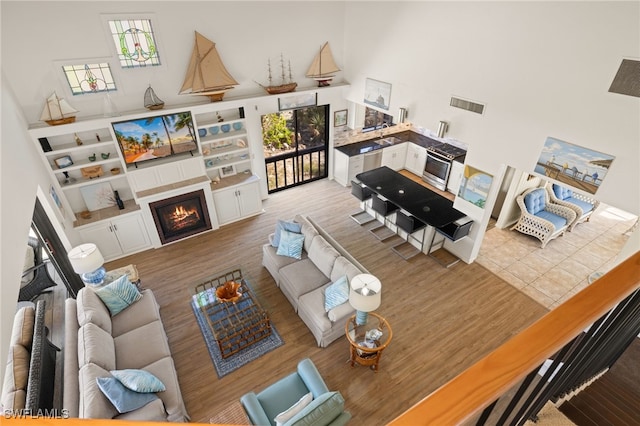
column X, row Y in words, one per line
column 368, row 145
column 423, row 203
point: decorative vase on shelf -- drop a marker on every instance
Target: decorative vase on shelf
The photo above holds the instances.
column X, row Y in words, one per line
column 119, row 201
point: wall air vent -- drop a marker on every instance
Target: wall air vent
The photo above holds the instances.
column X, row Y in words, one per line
column 468, row 105
column 627, row 79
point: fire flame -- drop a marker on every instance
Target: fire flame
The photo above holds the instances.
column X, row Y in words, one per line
column 180, row 213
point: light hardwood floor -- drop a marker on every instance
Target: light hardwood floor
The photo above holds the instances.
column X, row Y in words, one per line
column 443, row 319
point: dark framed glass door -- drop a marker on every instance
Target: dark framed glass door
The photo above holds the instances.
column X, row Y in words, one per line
column 295, row 146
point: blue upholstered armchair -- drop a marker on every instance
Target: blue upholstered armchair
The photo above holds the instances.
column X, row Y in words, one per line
column 581, row 204
column 285, row 398
column 540, row 218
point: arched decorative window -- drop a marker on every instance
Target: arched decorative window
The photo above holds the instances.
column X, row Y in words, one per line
column 135, row 42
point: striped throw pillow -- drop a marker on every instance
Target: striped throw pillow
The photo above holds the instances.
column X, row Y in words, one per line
column 119, row 295
column 336, row 294
column 291, row 244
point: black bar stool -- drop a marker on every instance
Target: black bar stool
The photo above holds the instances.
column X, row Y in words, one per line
column 408, row 224
column 384, row 208
column 362, row 193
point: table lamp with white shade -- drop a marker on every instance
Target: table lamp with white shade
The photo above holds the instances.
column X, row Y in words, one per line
column 364, row 296
column 87, row 261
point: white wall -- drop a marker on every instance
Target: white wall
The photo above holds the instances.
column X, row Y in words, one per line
column 19, row 181
column 246, row 35
column 542, row 69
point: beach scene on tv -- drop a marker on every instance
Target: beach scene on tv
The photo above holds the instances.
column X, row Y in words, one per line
column 573, row 165
column 155, row 137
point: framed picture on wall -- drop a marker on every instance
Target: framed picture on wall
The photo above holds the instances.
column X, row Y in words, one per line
column 340, row 118
column 377, row 93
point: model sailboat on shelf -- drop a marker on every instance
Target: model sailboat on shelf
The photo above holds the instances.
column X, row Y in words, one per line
column 151, row 100
column 285, row 86
column 57, row 111
column 323, row 67
column 206, row 74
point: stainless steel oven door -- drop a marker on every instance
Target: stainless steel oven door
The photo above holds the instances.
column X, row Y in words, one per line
column 436, row 171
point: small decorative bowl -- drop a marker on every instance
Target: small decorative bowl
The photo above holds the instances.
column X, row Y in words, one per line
column 202, row 132
column 214, row 130
column 85, row 214
column 226, row 128
column 228, row 292
column 115, row 171
column 237, row 125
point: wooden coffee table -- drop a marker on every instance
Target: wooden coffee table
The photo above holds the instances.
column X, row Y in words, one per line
column 235, row 326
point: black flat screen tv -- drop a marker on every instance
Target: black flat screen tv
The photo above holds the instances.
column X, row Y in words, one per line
column 154, row 137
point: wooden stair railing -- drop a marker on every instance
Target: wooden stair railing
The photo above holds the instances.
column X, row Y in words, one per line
column 465, row 397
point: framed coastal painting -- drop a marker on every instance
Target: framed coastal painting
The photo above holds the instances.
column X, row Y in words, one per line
column 64, row 161
column 475, row 186
column 377, row 93
column 340, row 118
column 573, row 165
column 297, row 101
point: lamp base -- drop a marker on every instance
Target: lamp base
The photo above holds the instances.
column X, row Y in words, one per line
column 361, row 317
column 94, row 278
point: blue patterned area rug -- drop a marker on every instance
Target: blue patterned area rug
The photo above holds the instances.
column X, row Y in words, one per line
column 225, row 366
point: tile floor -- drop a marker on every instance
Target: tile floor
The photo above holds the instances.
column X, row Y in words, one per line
column 560, row 270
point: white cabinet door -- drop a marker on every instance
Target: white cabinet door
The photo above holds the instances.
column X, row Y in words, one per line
column 118, row 236
column 416, row 158
column 356, row 166
column 131, row 233
column 455, row 177
column 226, row 204
column 102, row 235
column 238, row 202
column 249, row 199
column 394, row 156
column 341, row 167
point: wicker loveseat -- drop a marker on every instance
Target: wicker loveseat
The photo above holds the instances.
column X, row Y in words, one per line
column 540, row 218
column 581, row 204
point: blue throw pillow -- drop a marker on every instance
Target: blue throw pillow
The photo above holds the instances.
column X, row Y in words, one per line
column 336, row 294
column 119, row 295
column 122, row 398
column 283, row 225
column 138, row 380
column 291, row 244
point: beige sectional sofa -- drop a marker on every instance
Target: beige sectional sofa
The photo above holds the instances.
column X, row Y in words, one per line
column 303, row 281
column 96, row 343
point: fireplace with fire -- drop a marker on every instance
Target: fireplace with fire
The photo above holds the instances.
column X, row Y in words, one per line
column 181, row 216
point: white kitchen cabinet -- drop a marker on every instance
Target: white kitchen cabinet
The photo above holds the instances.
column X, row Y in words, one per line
column 394, row 156
column 345, row 168
column 237, row 202
column 455, row 177
column 117, row 236
column 416, row 158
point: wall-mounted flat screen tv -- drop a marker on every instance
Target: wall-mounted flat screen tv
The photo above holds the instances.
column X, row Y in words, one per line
column 155, row 137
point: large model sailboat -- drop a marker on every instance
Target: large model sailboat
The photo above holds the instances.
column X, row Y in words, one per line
column 323, row 67
column 285, row 86
column 57, row 111
column 206, row 74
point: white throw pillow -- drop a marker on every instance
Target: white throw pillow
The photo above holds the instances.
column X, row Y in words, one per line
column 283, row 417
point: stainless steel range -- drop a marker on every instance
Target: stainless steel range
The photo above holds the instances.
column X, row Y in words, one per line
column 438, row 166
